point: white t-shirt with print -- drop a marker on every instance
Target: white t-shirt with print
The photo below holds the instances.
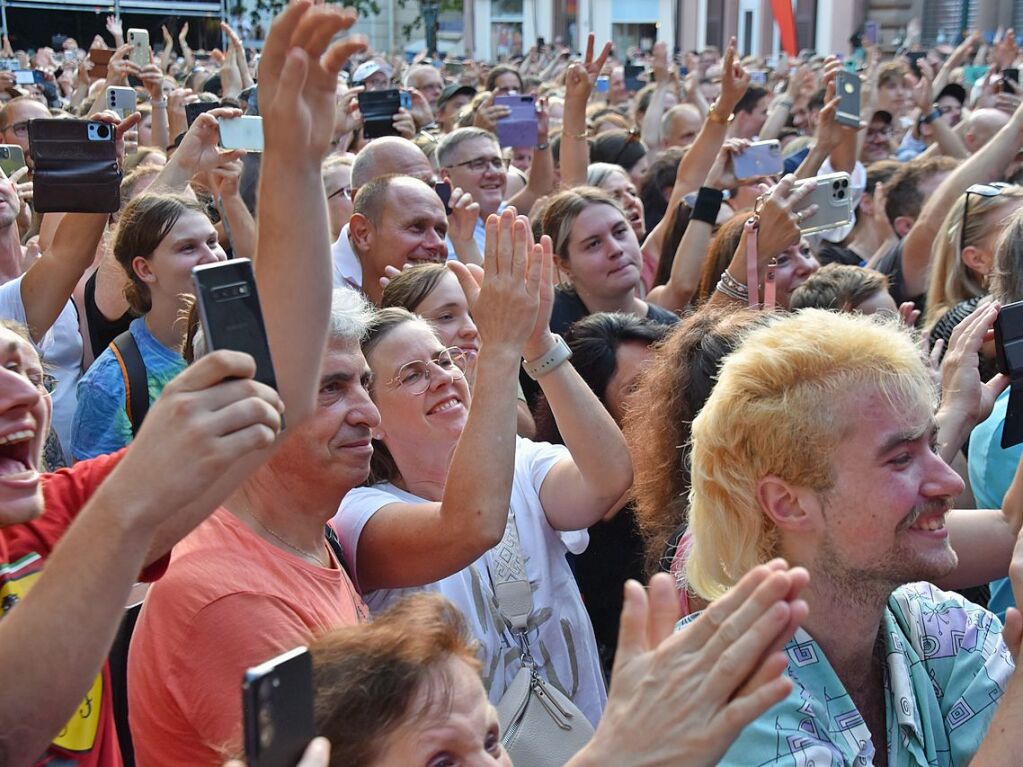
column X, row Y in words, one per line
column 561, row 636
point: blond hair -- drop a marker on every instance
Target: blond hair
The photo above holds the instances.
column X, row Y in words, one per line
column 773, row 412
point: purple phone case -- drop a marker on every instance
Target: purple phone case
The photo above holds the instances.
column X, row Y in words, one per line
column 518, row 129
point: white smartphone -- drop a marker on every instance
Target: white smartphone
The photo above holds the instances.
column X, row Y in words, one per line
column 141, row 53
column 121, row 100
column 244, row 132
column 834, row 207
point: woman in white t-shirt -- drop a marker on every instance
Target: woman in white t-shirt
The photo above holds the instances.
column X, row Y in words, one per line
column 444, row 476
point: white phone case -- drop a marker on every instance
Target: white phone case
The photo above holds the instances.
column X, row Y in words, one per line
column 244, row 132
column 121, row 100
column 140, row 52
column 832, row 197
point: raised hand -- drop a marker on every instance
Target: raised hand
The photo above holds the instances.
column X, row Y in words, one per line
column 734, row 80
column 488, row 114
column 779, row 219
column 463, row 216
column 120, row 66
column 962, row 389
column 298, row 79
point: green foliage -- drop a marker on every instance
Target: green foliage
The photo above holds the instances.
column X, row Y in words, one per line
column 273, row 7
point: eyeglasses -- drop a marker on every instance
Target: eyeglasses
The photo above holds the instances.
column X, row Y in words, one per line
column 414, row 377
column 886, row 132
column 983, row 190
column 481, row 164
column 344, row 191
column 19, row 128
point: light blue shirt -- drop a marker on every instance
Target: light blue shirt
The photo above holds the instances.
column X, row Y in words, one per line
column 991, row 471
column 946, row 669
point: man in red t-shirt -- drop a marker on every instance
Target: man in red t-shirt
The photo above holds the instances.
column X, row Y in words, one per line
column 209, row 429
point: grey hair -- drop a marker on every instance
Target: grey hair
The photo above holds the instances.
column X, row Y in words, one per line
column 350, row 317
column 598, row 172
column 450, row 143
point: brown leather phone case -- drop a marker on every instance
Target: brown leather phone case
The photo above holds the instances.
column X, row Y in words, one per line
column 76, row 168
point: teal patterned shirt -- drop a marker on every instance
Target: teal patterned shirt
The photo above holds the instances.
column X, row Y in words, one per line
column 946, row 669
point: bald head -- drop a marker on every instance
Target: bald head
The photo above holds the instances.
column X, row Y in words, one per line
column 387, row 155
column 982, row 126
column 679, row 125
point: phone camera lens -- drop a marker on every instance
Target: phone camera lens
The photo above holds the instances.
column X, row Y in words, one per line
column 103, row 131
column 841, row 194
column 836, row 185
column 845, row 183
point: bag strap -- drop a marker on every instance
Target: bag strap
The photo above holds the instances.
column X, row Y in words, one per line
column 508, row 574
column 136, row 380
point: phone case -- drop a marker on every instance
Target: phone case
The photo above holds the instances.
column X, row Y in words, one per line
column 121, row 100
column 520, row 127
column 762, row 158
column 848, row 85
column 245, row 132
column 139, row 39
column 76, row 168
column 833, row 204
column 12, row 158
column 99, row 57
column 277, row 709
column 230, row 312
column 378, row 108
column 443, row 190
column 632, row 81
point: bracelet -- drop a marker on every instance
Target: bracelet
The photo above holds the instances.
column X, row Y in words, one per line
column 733, row 285
column 707, row 205
column 579, row 136
column 715, row 117
column 934, row 115
column 556, row 356
column 158, row 102
column 786, row 102
column 544, row 145
column 733, row 294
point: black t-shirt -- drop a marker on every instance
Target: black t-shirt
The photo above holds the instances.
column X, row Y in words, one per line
column 891, row 265
column 830, row 253
column 101, row 330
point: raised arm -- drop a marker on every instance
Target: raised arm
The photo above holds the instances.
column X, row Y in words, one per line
column 579, row 81
column 411, row 544
column 651, row 127
column 987, row 164
column 802, row 80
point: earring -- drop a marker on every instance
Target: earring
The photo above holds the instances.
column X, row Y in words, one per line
column 378, row 436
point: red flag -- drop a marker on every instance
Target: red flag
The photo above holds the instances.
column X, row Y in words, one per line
column 786, row 21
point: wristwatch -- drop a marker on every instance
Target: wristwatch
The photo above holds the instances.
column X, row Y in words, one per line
column 934, row 115
column 555, row 357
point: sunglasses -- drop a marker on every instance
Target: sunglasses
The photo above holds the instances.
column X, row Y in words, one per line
column 982, row 190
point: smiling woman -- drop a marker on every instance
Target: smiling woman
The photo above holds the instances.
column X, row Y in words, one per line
column 160, row 238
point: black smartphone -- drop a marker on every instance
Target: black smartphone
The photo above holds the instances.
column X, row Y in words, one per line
column 1010, row 80
column 277, row 709
column 230, row 313
column 443, row 190
column 914, row 61
column 378, row 109
column 1009, row 357
column 197, row 108
column 632, row 81
column 848, row 86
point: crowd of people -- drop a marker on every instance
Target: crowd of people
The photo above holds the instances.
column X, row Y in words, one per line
column 512, row 383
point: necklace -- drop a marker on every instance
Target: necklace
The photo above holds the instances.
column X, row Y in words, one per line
column 304, row 554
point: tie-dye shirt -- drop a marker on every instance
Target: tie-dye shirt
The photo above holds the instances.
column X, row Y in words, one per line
column 946, row 669
column 101, row 422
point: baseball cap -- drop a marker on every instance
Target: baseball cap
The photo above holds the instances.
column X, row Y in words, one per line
column 452, row 90
column 368, row 68
column 955, row 90
column 883, row 116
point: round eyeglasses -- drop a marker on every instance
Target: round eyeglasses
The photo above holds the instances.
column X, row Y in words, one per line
column 414, row 377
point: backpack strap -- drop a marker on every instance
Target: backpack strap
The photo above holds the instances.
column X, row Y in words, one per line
column 136, row 383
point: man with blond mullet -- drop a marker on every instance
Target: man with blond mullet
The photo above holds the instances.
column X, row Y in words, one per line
column 819, row 444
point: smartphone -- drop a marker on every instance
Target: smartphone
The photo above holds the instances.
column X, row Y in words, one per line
column 121, row 100
column 443, row 190
column 453, row 67
column 683, row 71
column 230, row 314
column 141, row 53
column 520, row 127
column 245, row 132
column 632, row 81
column 758, row 76
column 761, row 158
column 871, row 33
column 404, row 99
column 603, row 84
column 76, row 169
column 9, row 65
column 378, row 110
column 1009, row 357
column 12, row 158
column 196, row 108
column 29, row 77
column 832, row 197
column 540, row 44
column 1011, row 73
column 914, row 61
column 99, row 57
column 277, row 709
column 848, row 86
